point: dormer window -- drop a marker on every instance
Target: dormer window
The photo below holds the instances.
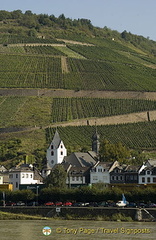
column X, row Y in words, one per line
column 148, row 172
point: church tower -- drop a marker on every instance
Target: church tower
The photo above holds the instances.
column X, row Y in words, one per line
column 56, row 151
column 96, row 142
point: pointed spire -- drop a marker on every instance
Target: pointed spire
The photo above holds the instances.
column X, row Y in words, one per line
column 95, row 141
column 56, row 139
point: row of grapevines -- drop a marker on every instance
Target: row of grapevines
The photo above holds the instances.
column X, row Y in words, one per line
column 65, row 109
column 43, row 50
column 135, row 136
column 100, row 53
column 14, row 39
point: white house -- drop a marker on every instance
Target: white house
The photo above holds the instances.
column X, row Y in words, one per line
column 24, row 174
column 148, row 175
column 55, row 153
column 147, row 172
column 100, row 172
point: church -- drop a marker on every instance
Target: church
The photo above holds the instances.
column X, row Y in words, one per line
column 77, row 164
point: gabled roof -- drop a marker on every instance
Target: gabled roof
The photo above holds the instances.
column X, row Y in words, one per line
column 151, row 162
column 80, row 159
column 3, row 169
column 22, row 167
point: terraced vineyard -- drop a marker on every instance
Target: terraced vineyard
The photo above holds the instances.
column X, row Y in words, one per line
column 135, row 136
column 42, row 111
column 67, row 109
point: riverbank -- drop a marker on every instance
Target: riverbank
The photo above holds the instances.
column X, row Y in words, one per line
column 80, row 213
column 17, row 216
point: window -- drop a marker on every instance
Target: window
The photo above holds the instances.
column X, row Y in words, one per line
column 61, row 146
column 27, row 175
column 16, row 175
column 73, row 178
column 154, row 179
column 31, row 175
column 121, row 178
column 77, row 178
column 148, row 180
column 148, row 172
column 95, row 177
column 23, row 175
column 112, row 178
column 117, row 178
column 100, row 170
column 52, row 153
column 52, row 147
column 135, row 177
column 11, row 175
column 16, row 184
column 61, row 153
column 143, row 179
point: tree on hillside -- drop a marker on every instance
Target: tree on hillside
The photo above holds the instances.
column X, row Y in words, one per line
column 57, row 177
column 113, row 152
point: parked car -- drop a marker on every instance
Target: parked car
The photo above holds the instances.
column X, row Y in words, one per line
column 93, row 204
column 10, row 204
column 103, row 204
column 67, row 204
column 32, row 204
column 20, row 203
column 49, row 204
column 151, row 205
column 132, row 205
column 58, row 204
column 141, row 205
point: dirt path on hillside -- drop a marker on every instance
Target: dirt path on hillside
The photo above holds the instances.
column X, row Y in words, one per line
column 72, row 93
column 64, row 65
column 120, row 119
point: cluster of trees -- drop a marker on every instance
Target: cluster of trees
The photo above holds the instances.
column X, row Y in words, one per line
column 36, row 22
column 82, row 194
column 31, row 20
column 11, row 154
column 140, row 41
column 118, row 152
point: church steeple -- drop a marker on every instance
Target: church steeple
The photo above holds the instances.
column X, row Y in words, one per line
column 96, row 141
column 56, row 151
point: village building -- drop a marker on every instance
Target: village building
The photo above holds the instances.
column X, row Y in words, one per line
column 100, row 172
column 4, row 175
column 148, row 175
column 55, row 154
column 24, row 174
column 131, row 174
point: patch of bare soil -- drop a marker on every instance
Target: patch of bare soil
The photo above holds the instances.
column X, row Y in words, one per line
column 72, row 93
column 64, row 65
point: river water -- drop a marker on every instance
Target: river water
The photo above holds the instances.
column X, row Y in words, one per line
column 75, row 229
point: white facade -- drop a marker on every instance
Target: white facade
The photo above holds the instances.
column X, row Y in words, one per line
column 147, row 177
column 56, row 152
column 22, row 177
column 100, row 174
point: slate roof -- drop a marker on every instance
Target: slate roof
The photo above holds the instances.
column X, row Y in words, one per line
column 152, row 162
column 80, row 159
column 56, row 139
